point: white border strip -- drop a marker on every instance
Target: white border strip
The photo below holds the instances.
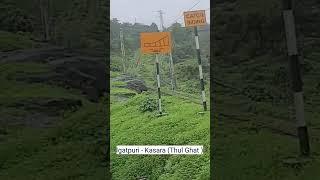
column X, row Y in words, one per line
column 290, row 32
column 298, row 101
column 197, row 42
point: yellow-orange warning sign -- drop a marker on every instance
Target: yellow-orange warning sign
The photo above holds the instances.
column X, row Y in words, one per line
column 155, row 42
column 195, row 18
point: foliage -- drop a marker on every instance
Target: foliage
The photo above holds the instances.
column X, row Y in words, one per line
column 148, row 104
column 183, row 125
column 137, row 116
column 10, row 41
column 73, row 148
column 255, row 25
column 13, row 19
column 253, row 97
column 75, row 24
column 183, row 39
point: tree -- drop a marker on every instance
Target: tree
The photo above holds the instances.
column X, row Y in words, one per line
column 153, row 27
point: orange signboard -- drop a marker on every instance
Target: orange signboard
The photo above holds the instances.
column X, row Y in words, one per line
column 155, row 42
column 195, row 18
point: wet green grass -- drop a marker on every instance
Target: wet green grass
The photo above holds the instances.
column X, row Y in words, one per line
column 10, row 41
column 182, row 126
column 245, row 150
column 73, row 148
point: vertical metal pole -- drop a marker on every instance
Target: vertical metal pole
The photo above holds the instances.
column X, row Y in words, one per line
column 200, row 69
column 158, row 82
column 122, row 51
column 173, row 79
column 171, row 68
column 295, row 75
column 161, row 20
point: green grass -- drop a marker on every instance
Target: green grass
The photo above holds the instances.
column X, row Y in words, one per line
column 117, row 83
column 120, row 94
column 13, row 90
column 74, row 148
column 246, row 150
column 10, row 41
column 182, row 126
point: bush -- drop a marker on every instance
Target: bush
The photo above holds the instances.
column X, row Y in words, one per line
column 13, row 19
column 148, row 104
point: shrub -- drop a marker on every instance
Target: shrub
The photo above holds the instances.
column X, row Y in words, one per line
column 148, row 104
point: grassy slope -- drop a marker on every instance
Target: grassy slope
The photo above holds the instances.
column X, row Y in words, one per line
column 183, row 126
column 10, row 41
column 72, row 149
column 247, row 151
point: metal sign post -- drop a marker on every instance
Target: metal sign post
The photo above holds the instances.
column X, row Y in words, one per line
column 296, row 79
column 158, row 82
column 123, row 51
column 194, row 19
column 203, row 94
column 156, row 43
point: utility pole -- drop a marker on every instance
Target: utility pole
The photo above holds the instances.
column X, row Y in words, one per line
column 123, row 51
column 173, row 79
column 158, row 83
column 171, row 65
column 295, row 75
column 161, row 20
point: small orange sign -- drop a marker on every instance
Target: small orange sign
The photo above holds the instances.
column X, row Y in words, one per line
column 155, row 42
column 195, row 18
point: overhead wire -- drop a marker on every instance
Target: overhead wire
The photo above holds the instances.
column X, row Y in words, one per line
column 181, row 14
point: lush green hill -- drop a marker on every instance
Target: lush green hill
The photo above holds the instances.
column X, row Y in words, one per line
column 38, row 143
column 47, row 130
column 133, row 124
column 255, row 125
column 133, row 114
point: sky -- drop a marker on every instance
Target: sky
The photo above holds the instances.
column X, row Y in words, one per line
column 145, row 11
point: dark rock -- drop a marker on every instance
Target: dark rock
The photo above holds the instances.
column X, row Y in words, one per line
column 68, row 69
column 132, row 83
column 32, row 55
column 50, row 106
column 37, row 112
column 137, row 85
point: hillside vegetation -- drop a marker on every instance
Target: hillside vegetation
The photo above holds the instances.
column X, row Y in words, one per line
column 134, row 119
column 255, row 127
column 52, row 104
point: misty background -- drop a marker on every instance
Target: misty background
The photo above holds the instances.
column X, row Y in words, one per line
column 145, row 11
